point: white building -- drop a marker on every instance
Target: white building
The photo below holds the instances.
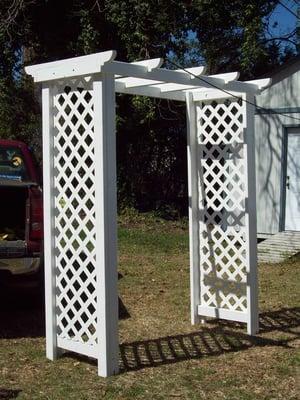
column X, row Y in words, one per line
column 277, row 138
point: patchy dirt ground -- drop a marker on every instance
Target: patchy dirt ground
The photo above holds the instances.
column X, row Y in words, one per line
column 161, row 355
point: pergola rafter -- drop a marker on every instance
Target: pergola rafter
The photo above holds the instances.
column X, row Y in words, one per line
column 80, row 210
column 145, row 78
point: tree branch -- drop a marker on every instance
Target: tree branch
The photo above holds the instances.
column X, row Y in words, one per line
column 9, row 18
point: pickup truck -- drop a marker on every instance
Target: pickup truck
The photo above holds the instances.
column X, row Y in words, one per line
column 21, row 214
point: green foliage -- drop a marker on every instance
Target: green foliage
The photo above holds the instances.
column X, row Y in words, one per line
column 151, row 133
column 88, row 36
column 232, row 34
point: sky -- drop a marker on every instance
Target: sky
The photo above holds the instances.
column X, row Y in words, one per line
column 286, row 21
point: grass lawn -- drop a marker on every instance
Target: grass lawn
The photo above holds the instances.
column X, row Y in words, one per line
column 161, row 355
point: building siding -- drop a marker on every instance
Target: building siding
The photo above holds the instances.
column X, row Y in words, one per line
column 269, row 144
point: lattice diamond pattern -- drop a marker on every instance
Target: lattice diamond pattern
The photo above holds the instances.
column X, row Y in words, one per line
column 74, row 180
column 222, row 226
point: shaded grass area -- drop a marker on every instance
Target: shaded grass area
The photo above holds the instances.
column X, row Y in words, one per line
column 161, row 355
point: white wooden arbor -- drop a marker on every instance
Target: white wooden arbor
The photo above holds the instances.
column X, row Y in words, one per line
column 80, row 210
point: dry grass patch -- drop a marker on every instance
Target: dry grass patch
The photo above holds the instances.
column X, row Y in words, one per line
column 161, row 355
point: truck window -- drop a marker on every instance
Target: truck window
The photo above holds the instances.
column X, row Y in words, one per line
column 12, row 165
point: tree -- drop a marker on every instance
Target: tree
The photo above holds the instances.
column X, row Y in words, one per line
column 224, row 35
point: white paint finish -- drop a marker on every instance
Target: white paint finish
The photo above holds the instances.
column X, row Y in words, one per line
column 130, row 82
column 135, row 82
column 279, row 247
column 268, row 148
column 76, row 347
column 198, row 85
column 178, row 77
column 261, row 83
column 228, row 76
column 193, row 194
column 226, row 211
column 74, row 214
column 149, row 91
column 80, row 202
column 292, row 203
column 202, row 80
column 80, row 253
column 232, row 90
column 270, row 134
column 213, row 312
column 211, row 94
column 162, row 75
column 269, row 131
column 84, row 231
column 146, row 69
column 194, row 70
column 282, row 94
column 106, row 226
column 71, row 67
column 151, row 64
column 49, row 259
column 250, row 216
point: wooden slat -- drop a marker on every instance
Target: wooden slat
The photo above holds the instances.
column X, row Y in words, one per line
column 106, row 222
column 222, row 313
column 71, row 67
column 279, row 247
column 50, row 282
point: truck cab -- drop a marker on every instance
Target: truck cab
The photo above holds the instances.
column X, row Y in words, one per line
column 21, row 213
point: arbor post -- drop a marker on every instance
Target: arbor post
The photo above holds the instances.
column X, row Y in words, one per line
column 106, row 224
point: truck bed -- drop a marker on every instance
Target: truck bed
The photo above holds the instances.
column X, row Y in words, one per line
column 21, row 209
column 13, row 203
column 15, row 183
column 12, row 248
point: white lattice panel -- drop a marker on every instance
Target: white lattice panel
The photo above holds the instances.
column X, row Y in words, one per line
column 222, row 198
column 74, row 215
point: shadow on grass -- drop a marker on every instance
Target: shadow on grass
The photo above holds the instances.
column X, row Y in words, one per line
column 207, row 342
column 284, row 320
column 22, row 313
column 9, row 393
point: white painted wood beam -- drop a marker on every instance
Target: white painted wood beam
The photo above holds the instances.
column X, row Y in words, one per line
column 136, row 82
column 200, row 95
column 194, row 71
column 193, row 201
column 253, row 86
column 49, row 256
column 106, row 226
column 222, row 313
column 151, row 64
column 178, row 77
column 261, row 83
column 71, row 67
column 250, row 216
column 229, row 77
column 149, row 91
column 161, row 74
column 232, row 89
column 142, row 74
